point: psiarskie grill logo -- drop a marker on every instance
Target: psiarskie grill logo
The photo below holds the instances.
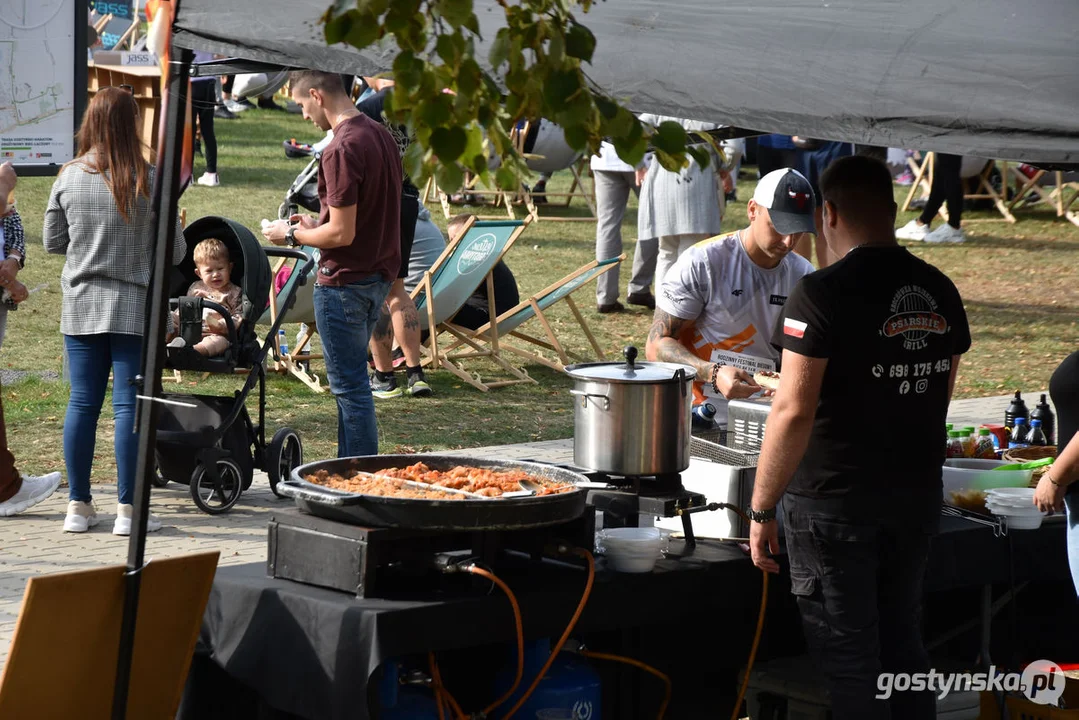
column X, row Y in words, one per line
column 914, row 317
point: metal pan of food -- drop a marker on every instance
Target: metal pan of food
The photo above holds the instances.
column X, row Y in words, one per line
column 395, row 491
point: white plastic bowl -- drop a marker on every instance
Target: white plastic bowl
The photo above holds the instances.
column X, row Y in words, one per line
column 1026, row 493
column 631, row 550
column 1011, row 510
column 1024, row 522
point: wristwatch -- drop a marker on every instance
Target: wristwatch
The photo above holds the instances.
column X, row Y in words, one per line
column 290, row 237
column 761, row 516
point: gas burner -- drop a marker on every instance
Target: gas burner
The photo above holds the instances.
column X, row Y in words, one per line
column 640, row 484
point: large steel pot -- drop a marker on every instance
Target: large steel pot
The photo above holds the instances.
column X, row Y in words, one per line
column 632, row 418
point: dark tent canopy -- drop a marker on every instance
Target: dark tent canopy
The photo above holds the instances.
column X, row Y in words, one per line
column 988, row 78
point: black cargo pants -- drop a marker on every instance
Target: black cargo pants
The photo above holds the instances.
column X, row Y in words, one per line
column 858, row 585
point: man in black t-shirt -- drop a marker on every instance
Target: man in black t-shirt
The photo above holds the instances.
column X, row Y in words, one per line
column 855, row 443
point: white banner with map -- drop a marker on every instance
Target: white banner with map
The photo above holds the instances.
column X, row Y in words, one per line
column 37, row 80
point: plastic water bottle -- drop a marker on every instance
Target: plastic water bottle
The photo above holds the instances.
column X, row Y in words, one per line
column 704, row 416
column 282, row 343
column 1036, row 436
column 1019, row 434
column 1044, row 413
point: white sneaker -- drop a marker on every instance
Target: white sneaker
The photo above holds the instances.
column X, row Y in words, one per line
column 122, row 524
column 208, row 179
column 945, row 234
column 33, row 491
column 81, row 516
column 235, row 107
column 177, row 342
column 912, row 231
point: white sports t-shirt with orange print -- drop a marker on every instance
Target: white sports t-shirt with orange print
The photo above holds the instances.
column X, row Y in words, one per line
column 734, row 304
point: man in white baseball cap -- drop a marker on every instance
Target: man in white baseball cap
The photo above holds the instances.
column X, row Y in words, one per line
column 718, row 305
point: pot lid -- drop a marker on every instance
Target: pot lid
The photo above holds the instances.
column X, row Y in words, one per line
column 631, row 371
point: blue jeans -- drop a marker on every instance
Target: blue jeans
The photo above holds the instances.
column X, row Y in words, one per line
column 1071, row 502
column 345, row 316
column 89, row 359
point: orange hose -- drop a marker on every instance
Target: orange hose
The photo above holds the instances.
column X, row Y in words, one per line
column 441, row 690
column 435, row 687
column 643, row 666
column 520, row 635
column 565, row 635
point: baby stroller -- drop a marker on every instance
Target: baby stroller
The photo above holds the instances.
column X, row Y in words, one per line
column 210, row 442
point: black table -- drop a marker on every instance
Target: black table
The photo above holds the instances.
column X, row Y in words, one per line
column 314, row 652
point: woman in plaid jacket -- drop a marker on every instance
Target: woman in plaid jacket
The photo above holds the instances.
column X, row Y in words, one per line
column 99, row 218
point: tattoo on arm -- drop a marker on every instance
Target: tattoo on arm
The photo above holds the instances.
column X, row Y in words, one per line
column 664, row 336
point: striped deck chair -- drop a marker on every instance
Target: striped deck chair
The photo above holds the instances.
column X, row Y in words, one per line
column 507, row 323
column 461, row 268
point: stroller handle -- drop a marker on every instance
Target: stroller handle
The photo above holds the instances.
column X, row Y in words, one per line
column 221, row 310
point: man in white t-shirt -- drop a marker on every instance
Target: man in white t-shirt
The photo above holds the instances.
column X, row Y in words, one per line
column 719, row 303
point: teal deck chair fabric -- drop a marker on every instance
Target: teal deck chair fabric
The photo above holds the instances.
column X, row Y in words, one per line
column 508, row 323
column 463, row 267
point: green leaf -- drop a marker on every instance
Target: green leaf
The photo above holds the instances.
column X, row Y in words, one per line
column 577, row 137
column 670, row 137
column 397, row 19
column 632, row 145
column 364, row 31
column 375, row 7
column 577, row 111
column 337, row 28
column 474, row 144
column 448, row 143
column 450, row 177
column 560, row 85
column 702, row 156
column 622, row 122
column 407, row 69
column 455, row 12
column 670, row 161
column 472, row 24
column 556, row 49
column 447, row 50
column 500, row 49
column 506, row 179
column 413, row 160
column 580, row 42
column 435, row 112
column 607, row 108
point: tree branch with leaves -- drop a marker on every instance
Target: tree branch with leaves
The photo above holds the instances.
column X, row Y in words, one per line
column 461, row 111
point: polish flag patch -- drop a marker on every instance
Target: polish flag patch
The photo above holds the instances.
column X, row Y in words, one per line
column 794, row 328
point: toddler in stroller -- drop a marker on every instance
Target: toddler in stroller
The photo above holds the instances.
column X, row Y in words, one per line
column 214, row 271
column 210, row 442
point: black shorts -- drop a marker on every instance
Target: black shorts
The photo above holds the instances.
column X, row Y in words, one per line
column 410, row 210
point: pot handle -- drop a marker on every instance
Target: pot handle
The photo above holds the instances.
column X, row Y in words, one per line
column 585, row 395
column 680, row 376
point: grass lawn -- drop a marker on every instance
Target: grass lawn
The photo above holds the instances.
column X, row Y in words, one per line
column 1020, row 284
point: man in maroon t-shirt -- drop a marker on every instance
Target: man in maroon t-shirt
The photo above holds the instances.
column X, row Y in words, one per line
column 358, row 237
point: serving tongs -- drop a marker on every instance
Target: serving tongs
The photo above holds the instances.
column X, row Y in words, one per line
column 1000, row 528
column 401, row 482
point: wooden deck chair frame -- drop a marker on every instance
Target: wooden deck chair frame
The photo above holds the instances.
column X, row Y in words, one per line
column 292, row 363
column 523, row 195
column 489, row 333
column 436, row 356
column 1053, row 194
column 923, row 180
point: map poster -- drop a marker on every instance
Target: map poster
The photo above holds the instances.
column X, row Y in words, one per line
column 42, row 81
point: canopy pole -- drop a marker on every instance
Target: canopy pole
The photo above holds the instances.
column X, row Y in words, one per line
column 164, row 202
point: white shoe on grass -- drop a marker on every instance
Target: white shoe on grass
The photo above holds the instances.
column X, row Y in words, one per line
column 208, row 179
column 81, row 516
column 912, row 231
column 122, row 524
column 33, row 491
column 945, row 234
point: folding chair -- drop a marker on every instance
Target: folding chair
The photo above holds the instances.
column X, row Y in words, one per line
column 923, row 180
column 296, row 363
column 507, row 323
column 445, row 287
column 1054, row 192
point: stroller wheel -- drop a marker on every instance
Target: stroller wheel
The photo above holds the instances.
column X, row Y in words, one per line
column 215, row 496
column 284, row 453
